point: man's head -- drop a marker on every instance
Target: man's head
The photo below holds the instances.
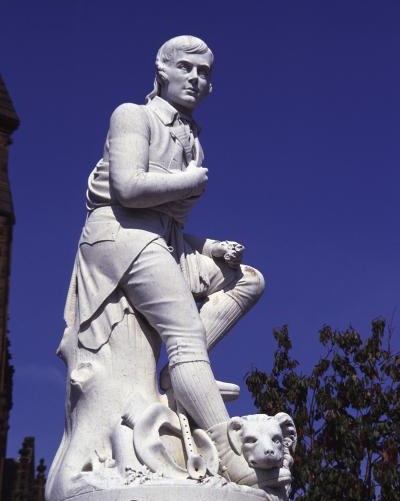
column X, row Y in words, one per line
column 183, row 72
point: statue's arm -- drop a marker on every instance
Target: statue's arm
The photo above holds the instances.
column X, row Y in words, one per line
column 202, row 245
column 130, row 179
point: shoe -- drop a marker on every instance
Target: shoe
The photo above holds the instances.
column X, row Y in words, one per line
column 229, row 391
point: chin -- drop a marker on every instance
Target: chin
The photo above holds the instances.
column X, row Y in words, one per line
column 190, row 101
column 186, row 105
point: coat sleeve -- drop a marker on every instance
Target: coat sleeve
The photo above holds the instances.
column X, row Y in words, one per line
column 130, row 180
column 202, row 245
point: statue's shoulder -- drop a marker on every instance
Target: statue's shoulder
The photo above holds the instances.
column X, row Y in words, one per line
column 130, row 114
column 129, row 109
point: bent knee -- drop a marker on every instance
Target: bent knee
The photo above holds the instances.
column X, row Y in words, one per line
column 248, row 288
column 254, row 281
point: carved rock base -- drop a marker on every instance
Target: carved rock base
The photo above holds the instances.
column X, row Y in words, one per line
column 179, row 492
column 123, row 440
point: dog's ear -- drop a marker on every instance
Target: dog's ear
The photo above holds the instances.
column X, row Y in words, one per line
column 288, row 430
column 235, row 428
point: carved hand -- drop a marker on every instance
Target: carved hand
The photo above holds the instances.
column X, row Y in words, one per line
column 200, row 178
column 232, row 252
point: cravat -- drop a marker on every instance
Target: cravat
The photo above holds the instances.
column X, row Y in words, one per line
column 182, row 133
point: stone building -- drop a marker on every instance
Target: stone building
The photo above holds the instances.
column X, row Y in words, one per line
column 18, row 479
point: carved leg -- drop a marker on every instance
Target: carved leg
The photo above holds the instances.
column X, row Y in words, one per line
column 155, row 286
column 223, row 308
column 219, row 313
column 195, row 388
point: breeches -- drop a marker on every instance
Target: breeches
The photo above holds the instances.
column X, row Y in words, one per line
column 155, row 286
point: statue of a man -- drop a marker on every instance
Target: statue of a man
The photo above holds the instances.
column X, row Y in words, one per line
column 190, row 290
column 139, row 281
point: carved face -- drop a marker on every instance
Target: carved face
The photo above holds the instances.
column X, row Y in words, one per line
column 262, row 444
column 265, row 442
column 186, row 80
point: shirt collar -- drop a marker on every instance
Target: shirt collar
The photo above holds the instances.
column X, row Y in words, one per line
column 168, row 114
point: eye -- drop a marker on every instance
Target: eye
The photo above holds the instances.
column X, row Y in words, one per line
column 184, row 66
column 250, row 440
column 204, row 71
column 277, row 439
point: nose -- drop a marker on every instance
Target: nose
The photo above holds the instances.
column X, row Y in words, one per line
column 269, row 452
column 193, row 75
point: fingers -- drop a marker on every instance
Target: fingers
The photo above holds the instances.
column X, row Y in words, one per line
column 193, row 166
column 234, row 254
column 232, row 259
column 231, row 252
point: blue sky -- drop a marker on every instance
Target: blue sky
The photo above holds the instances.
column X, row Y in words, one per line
column 301, row 136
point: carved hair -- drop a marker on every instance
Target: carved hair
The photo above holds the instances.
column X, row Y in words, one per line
column 166, row 53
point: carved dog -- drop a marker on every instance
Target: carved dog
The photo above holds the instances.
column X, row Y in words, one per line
column 264, row 441
column 266, row 444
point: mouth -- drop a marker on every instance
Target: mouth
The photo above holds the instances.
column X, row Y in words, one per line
column 192, row 92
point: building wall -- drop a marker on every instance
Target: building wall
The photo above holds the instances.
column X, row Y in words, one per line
column 18, row 479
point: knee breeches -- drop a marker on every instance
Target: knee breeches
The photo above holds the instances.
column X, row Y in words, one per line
column 155, row 287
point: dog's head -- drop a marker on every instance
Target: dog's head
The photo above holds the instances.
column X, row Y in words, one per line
column 264, row 441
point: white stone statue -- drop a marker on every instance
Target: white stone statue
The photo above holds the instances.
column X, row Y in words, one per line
column 139, row 281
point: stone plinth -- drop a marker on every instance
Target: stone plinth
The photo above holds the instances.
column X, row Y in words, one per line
column 169, row 492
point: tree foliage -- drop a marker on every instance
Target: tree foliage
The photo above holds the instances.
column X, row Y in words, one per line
column 347, row 414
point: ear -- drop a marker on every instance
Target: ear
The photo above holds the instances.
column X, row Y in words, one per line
column 161, row 76
column 288, row 429
column 235, row 426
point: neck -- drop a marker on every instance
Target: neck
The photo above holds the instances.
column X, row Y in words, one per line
column 181, row 109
